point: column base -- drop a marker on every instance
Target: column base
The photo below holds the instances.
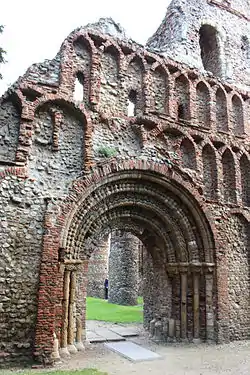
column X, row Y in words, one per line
column 79, row 346
column 196, row 341
column 72, row 349
column 55, row 356
column 64, row 353
column 210, row 342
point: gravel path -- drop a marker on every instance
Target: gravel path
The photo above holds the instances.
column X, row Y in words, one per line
column 178, row 359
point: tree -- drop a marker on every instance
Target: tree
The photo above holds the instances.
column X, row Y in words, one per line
column 2, row 51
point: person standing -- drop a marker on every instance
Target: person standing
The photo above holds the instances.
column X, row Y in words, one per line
column 106, row 286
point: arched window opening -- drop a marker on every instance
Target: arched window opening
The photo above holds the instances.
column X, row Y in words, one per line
column 237, row 116
column 182, row 97
column 245, row 48
column 188, row 154
column 229, row 183
column 203, row 105
column 210, row 180
column 131, row 107
column 210, row 50
column 135, row 74
column 245, row 180
column 79, row 87
column 160, row 90
column 221, row 111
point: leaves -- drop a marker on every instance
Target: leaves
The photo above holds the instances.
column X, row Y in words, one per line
column 2, row 51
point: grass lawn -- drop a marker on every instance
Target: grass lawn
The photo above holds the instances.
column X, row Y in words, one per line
column 100, row 309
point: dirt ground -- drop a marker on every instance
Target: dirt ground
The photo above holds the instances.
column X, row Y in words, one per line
column 176, row 359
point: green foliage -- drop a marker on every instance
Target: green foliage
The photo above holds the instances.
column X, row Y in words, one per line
column 100, row 309
column 106, row 152
column 2, row 51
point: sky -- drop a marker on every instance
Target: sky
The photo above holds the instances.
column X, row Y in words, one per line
column 34, row 30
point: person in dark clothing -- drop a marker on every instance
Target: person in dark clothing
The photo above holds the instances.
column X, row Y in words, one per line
column 106, row 286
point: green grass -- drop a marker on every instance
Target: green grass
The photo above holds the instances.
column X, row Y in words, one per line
column 100, row 309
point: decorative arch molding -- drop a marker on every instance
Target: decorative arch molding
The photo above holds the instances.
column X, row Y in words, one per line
column 115, row 171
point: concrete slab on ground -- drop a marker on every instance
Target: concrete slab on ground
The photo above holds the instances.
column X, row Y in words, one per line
column 132, row 351
column 93, row 337
column 124, row 331
column 108, row 334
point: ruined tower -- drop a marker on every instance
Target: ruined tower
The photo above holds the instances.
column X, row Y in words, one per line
column 210, row 35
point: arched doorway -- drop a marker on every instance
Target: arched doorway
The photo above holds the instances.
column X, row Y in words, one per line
column 174, row 230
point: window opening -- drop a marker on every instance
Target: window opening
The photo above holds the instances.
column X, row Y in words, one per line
column 210, row 50
column 79, row 87
column 131, row 108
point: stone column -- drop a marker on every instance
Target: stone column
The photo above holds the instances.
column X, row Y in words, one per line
column 65, row 307
column 196, row 303
column 141, row 255
column 123, row 268
column 183, row 271
column 71, row 328
column 209, row 278
column 98, row 269
column 81, row 305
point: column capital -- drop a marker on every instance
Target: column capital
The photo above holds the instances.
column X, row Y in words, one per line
column 196, row 268
column 184, row 267
column 172, row 269
column 208, row 268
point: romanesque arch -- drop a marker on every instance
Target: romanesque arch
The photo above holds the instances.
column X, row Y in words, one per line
column 169, row 222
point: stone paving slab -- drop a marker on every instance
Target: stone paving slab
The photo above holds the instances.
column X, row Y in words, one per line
column 132, row 351
column 92, row 336
column 124, row 331
column 108, row 334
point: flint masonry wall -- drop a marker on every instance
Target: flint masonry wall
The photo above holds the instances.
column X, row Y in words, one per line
column 50, row 139
column 123, row 269
column 22, row 225
column 98, row 269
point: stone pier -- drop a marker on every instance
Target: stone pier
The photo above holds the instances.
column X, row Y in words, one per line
column 123, row 268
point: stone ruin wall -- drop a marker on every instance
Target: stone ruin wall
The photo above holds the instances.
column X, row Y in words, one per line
column 178, row 35
column 98, row 269
column 47, row 140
